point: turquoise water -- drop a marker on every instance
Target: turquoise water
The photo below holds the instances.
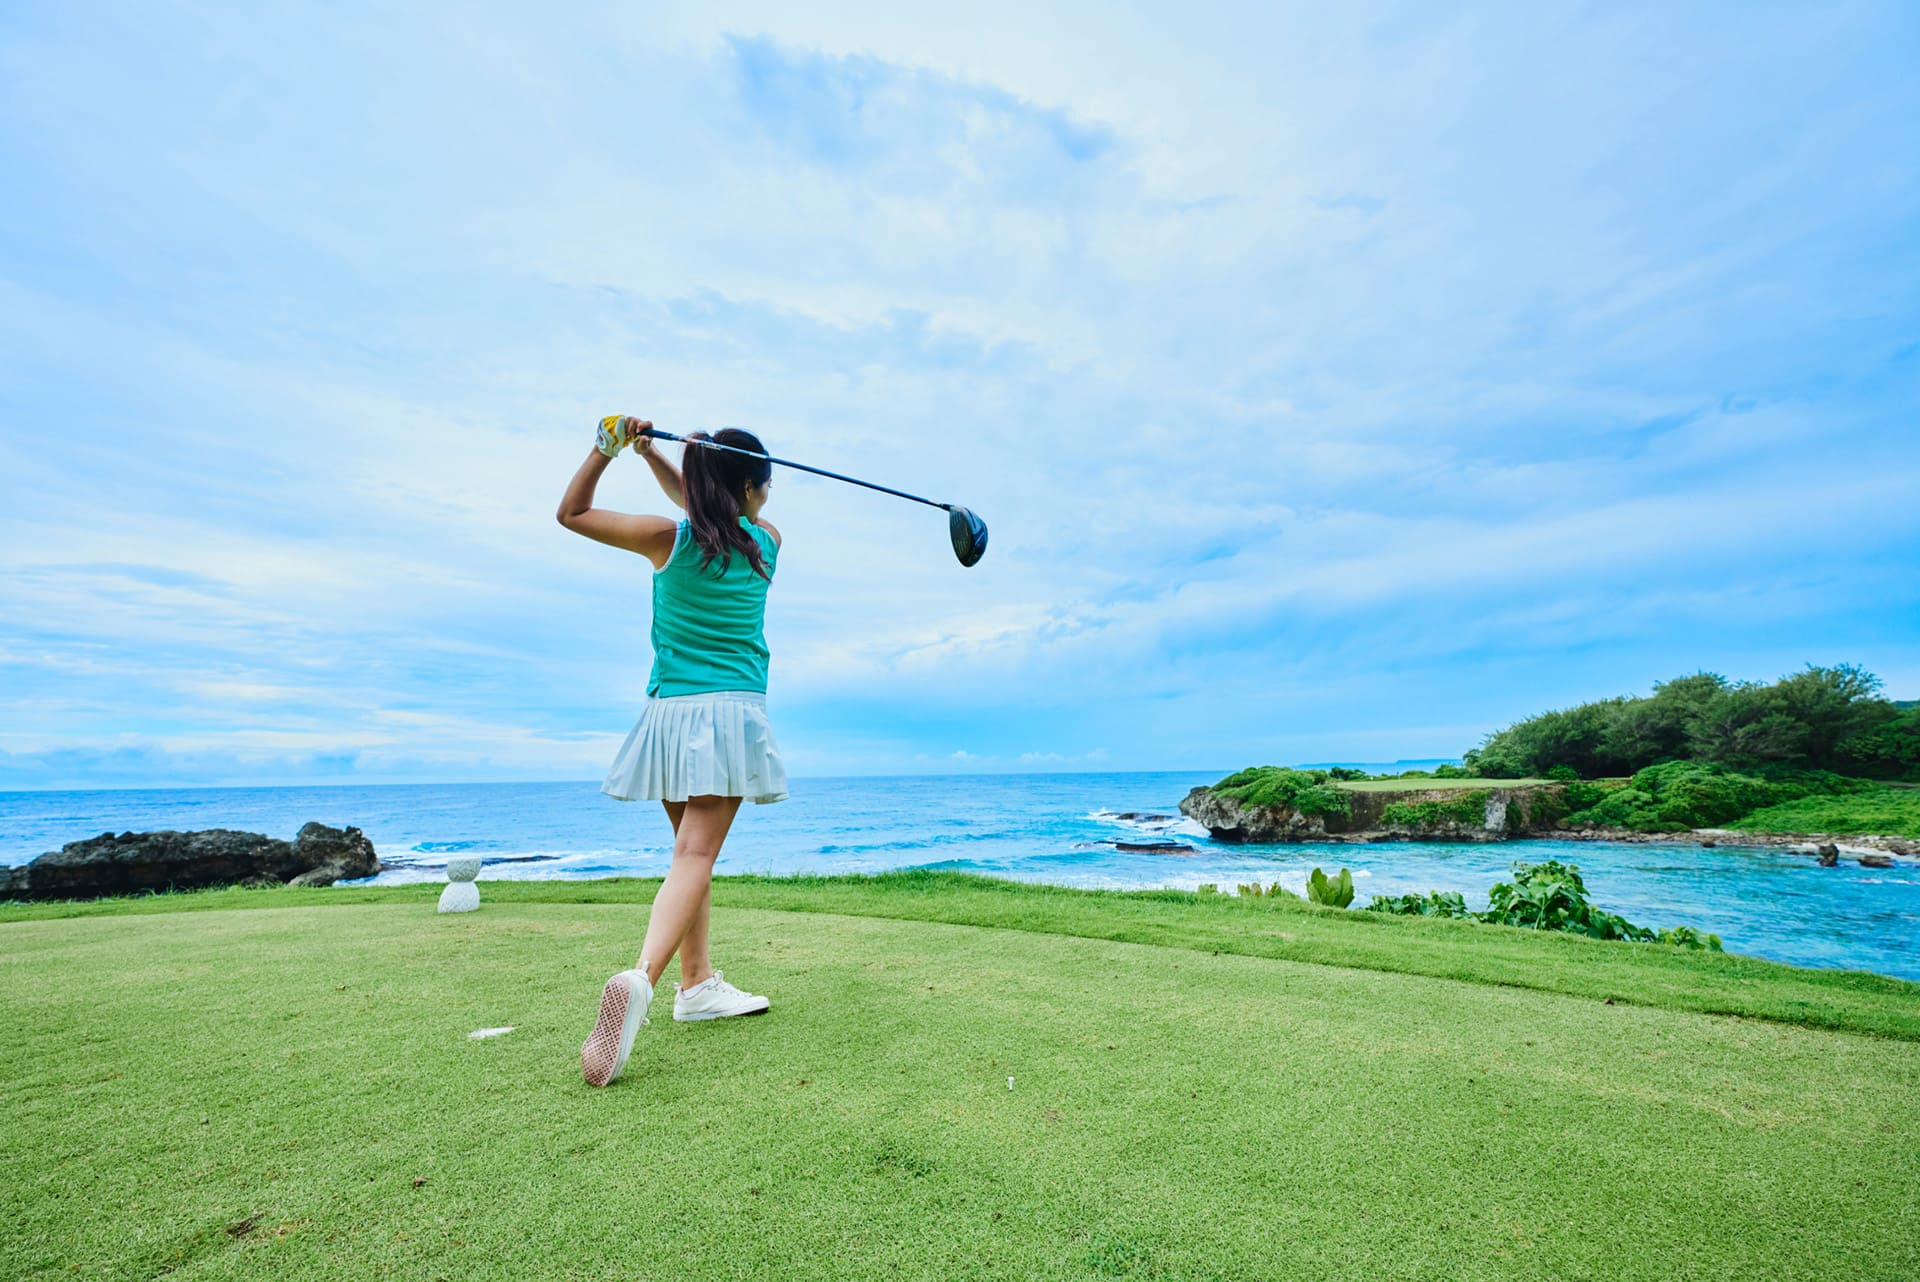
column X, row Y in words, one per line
column 1048, row 828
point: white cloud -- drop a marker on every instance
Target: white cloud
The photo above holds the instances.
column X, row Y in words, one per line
column 1281, row 351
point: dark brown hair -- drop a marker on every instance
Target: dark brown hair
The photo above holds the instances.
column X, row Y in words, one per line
column 714, row 482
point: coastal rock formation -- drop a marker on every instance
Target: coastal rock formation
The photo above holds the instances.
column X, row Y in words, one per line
column 1430, row 814
column 134, row 862
column 333, row 854
column 1489, row 814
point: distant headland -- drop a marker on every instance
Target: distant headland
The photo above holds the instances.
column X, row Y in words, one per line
column 1816, row 759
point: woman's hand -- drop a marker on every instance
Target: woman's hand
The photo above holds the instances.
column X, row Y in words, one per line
column 617, row 431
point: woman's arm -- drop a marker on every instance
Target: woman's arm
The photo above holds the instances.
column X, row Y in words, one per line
column 664, row 472
column 650, row 536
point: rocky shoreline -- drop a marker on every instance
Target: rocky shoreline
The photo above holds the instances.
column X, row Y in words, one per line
column 1528, row 811
column 1807, row 843
column 148, row 862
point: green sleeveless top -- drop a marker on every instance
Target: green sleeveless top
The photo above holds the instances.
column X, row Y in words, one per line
column 707, row 624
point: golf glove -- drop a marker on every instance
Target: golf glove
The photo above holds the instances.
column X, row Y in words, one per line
column 615, row 434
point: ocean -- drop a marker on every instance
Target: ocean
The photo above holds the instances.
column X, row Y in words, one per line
column 1058, row 828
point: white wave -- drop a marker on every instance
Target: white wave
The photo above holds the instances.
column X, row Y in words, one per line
column 1152, row 823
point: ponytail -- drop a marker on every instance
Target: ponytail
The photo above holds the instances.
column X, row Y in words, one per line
column 713, row 482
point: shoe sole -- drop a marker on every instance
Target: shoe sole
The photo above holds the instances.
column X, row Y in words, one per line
column 603, row 1056
column 719, row 1014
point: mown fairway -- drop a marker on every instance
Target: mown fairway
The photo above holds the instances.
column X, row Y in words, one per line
column 288, row 1091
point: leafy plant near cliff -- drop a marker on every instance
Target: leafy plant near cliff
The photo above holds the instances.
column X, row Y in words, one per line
column 1469, row 807
column 1308, row 792
column 1543, row 896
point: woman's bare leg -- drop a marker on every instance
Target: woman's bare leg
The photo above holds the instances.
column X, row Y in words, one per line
column 683, row 896
column 695, row 965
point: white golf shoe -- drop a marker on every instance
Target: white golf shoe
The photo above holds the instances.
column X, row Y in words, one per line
column 714, row 998
column 623, row 1011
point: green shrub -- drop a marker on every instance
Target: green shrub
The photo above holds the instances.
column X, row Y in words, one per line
column 1437, row 903
column 1275, row 891
column 1322, row 889
column 1551, row 896
column 1813, row 783
column 1889, row 812
column 1676, row 795
column 1544, row 896
column 1627, row 807
column 1307, row 792
column 1468, row 807
column 1579, row 795
column 1563, row 774
column 1455, row 772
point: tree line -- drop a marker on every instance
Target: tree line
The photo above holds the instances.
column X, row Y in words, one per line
column 1817, row 719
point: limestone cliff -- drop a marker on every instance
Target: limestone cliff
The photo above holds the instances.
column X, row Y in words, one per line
column 1411, row 814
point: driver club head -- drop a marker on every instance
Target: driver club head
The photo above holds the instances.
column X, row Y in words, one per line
column 969, row 535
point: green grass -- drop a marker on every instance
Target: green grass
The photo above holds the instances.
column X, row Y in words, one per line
column 279, row 1084
column 1885, row 811
column 1433, row 785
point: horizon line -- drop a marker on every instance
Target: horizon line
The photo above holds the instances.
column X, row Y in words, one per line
column 511, row 783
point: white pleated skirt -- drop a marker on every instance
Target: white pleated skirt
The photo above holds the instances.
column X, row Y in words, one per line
column 695, row 745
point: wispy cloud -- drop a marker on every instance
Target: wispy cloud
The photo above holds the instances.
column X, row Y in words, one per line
column 1334, row 384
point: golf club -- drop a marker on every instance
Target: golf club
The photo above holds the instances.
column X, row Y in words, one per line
column 969, row 531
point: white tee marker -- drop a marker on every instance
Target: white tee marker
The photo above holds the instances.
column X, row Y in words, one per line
column 461, row 895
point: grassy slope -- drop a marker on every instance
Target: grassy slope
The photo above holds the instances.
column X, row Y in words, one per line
column 292, row 1071
column 1884, row 811
column 1280, row 928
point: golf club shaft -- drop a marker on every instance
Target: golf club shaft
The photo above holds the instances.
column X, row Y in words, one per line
column 659, row 435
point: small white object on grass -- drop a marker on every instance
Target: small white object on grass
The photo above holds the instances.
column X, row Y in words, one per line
column 461, row 895
column 479, row 1033
column 1009, row 1083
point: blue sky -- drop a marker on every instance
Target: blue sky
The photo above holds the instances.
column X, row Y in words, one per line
column 1337, row 385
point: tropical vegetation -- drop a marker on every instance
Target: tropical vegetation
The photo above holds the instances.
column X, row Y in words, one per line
column 1818, row 751
column 1543, row 896
column 1309, row 792
column 1820, row 719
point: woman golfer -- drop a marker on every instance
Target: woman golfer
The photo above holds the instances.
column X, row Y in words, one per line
column 703, row 743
